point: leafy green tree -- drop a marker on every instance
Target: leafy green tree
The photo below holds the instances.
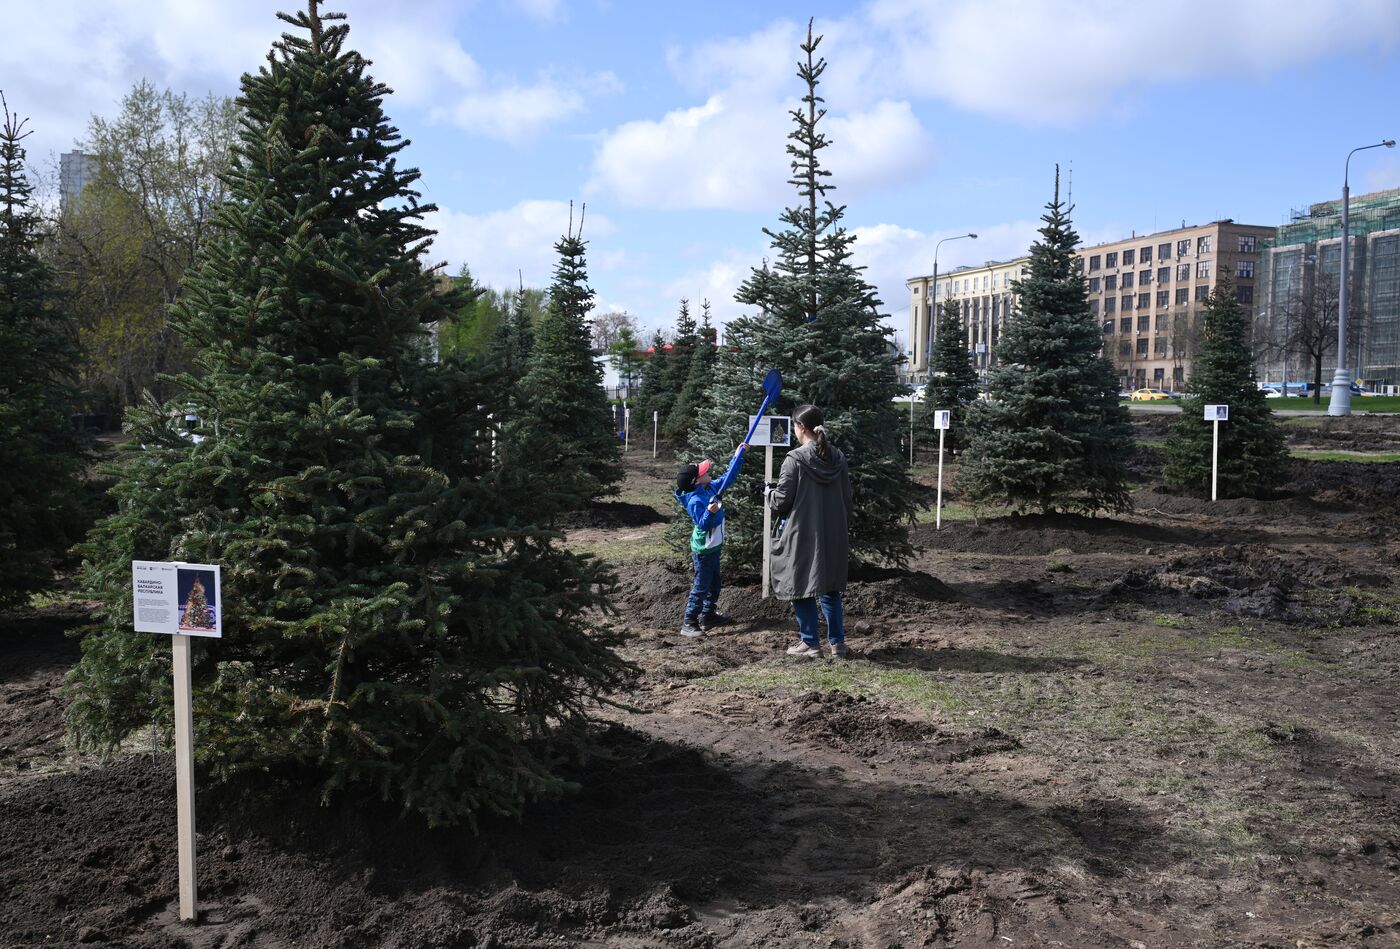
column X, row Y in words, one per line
column 1053, row 437
column 623, row 354
column 393, row 618
column 473, row 326
column 818, row 322
column 40, row 502
column 1252, row 452
column 569, row 420
column 952, row 380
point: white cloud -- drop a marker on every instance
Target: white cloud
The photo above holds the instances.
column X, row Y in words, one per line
column 1061, row 62
column 500, row 246
column 716, row 281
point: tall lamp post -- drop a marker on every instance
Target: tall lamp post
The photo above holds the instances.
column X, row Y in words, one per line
column 931, row 336
column 1340, row 403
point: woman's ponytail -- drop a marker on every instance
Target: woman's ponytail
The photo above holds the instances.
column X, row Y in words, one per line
column 810, row 417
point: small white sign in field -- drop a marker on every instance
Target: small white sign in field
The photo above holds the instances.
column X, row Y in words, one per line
column 775, row 432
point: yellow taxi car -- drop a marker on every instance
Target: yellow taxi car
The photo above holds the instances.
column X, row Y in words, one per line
column 1150, row 395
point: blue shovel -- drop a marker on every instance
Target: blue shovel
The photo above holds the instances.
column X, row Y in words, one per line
column 772, row 388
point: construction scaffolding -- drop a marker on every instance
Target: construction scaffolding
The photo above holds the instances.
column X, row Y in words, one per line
column 1303, row 262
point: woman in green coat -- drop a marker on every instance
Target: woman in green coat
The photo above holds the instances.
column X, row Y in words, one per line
column 811, row 548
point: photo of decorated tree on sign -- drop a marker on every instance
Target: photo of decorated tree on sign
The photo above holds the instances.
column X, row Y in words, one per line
column 196, row 612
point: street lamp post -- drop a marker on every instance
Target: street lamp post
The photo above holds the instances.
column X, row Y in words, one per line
column 931, row 336
column 1340, row 403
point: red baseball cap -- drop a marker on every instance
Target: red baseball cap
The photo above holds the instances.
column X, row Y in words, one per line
column 703, row 468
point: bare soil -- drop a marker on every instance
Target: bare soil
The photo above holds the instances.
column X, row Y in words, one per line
column 1171, row 728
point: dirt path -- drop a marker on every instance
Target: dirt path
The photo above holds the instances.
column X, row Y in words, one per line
column 1171, row 729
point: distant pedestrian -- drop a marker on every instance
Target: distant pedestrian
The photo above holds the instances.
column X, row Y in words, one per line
column 700, row 499
column 811, row 548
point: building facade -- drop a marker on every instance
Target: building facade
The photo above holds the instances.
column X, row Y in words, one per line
column 75, row 170
column 1300, row 270
column 1145, row 291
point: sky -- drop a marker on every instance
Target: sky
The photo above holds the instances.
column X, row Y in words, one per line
column 669, row 120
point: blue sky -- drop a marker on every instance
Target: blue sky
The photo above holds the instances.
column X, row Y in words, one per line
column 946, row 116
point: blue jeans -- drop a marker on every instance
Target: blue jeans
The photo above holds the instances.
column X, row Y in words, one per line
column 806, row 611
column 704, row 593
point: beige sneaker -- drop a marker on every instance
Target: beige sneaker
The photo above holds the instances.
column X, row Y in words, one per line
column 839, row 651
column 802, row 649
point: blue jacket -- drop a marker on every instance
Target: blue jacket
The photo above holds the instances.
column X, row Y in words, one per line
column 708, row 534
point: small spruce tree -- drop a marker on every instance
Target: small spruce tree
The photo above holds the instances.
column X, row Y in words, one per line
column 952, row 382
column 41, row 505
column 818, row 323
column 1053, row 436
column 564, row 395
column 653, row 401
column 697, row 380
column 1252, row 452
column 393, row 617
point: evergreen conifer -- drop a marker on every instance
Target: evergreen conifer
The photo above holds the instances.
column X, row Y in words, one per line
column 952, row 382
column 1053, row 437
column 1252, row 452
column 697, row 380
column 392, row 618
column 818, row 323
column 653, row 402
column 41, row 507
column 568, row 419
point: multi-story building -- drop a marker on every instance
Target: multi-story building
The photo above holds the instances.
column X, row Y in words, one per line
column 1145, row 290
column 1300, row 270
column 75, row 170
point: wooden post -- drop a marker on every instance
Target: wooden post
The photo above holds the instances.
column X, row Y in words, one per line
column 654, row 425
column 911, row 428
column 1214, row 457
column 767, row 524
column 938, row 516
column 184, row 773
column 626, row 427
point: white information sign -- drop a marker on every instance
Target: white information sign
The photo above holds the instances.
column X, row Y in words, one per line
column 177, row 598
column 1217, row 413
column 775, row 432
column 943, row 418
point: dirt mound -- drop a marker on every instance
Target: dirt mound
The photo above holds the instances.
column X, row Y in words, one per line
column 866, row 728
column 1367, row 488
column 1347, row 433
column 1041, row 534
column 1245, row 580
column 612, row 514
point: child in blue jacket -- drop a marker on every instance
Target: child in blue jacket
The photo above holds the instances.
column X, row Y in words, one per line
column 699, row 495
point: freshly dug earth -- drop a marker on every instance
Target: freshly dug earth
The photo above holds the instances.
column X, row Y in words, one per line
column 1170, row 728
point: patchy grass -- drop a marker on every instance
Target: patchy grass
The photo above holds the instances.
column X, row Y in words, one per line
column 1379, row 403
column 642, row 543
column 856, row 677
column 1361, row 457
column 951, row 512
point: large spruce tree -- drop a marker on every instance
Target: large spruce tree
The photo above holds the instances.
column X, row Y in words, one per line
column 392, row 619
column 818, row 323
column 952, row 381
column 41, row 455
column 1252, row 452
column 568, row 423
column 1053, row 436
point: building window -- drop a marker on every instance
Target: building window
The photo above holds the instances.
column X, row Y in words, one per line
column 1145, row 254
column 1094, row 262
column 1164, row 274
column 1111, row 260
column 986, row 283
column 1142, row 347
column 1127, row 302
column 1159, row 349
column 1246, row 243
column 1183, row 248
column 1164, row 251
column 1203, row 268
column 1183, row 271
column 1202, row 291
column 1144, row 324
column 1095, row 284
column 1203, row 245
column 1110, row 282
column 1127, row 281
column 1125, row 347
column 1164, row 297
column 1110, row 304
column 1094, row 306
column 1183, row 295
column 1244, row 269
column 1161, row 322
column 1107, row 326
column 1125, row 325
column 1144, row 301
column 1144, row 278
column 1244, row 294
column 1128, row 256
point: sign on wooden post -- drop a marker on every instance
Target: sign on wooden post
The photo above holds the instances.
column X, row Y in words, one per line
column 180, row 600
column 776, row 431
column 1215, row 414
column 942, row 421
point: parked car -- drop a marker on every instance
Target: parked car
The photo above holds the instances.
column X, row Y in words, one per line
column 1150, row 395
